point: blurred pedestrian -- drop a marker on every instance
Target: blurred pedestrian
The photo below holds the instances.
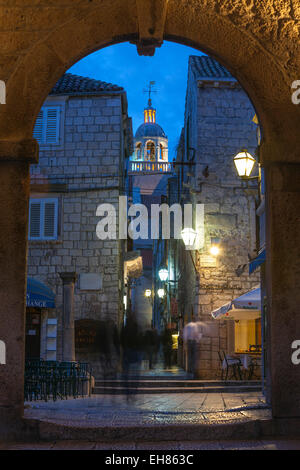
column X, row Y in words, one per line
column 192, row 334
column 151, row 346
column 167, row 345
column 131, row 351
column 108, row 345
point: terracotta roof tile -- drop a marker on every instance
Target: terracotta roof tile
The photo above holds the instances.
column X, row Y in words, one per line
column 206, row 67
column 75, row 84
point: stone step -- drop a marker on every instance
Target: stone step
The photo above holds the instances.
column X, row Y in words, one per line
column 158, row 433
column 162, row 383
column 119, row 390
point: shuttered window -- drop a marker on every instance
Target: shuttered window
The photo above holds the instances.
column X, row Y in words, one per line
column 43, row 219
column 46, row 129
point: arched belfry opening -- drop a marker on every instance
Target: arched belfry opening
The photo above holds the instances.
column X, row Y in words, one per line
column 252, row 46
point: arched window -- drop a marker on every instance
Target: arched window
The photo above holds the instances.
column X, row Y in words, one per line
column 138, row 151
column 161, row 152
column 150, row 151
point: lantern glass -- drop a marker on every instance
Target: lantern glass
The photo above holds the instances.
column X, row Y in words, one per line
column 188, row 236
column 163, row 274
column 148, row 293
column 244, row 163
column 161, row 293
column 214, row 250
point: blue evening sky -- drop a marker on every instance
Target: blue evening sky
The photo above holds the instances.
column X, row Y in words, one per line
column 121, row 65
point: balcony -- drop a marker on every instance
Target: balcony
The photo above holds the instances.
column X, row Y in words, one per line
column 137, row 168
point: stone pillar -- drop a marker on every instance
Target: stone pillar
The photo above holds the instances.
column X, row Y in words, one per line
column 68, row 335
column 283, row 284
column 14, row 195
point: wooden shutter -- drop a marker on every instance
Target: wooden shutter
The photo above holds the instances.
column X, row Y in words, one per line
column 50, row 219
column 35, row 220
column 43, row 219
column 38, row 128
column 46, row 129
column 52, row 122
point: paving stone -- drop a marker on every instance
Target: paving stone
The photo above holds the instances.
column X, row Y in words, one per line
column 73, row 445
column 115, row 446
column 281, row 445
column 241, row 445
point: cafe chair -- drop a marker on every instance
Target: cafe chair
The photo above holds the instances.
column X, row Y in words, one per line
column 232, row 365
column 254, row 367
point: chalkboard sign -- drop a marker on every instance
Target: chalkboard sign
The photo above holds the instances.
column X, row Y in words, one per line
column 86, row 333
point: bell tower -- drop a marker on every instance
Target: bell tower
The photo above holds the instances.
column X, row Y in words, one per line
column 151, row 143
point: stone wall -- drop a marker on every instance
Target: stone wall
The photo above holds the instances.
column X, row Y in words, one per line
column 83, row 171
column 219, row 118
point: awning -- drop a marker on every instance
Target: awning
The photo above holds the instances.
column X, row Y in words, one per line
column 260, row 259
column 39, row 295
column 247, row 307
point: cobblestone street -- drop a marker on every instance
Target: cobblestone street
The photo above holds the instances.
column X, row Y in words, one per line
column 150, row 409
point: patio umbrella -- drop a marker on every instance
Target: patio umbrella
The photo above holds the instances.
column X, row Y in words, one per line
column 247, row 307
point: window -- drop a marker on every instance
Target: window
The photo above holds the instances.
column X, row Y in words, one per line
column 162, row 152
column 139, row 151
column 46, row 129
column 150, row 151
column 43, row 219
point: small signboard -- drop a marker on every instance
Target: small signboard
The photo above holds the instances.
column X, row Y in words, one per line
column 86, row 335
column 207, row 261
column 90, row 281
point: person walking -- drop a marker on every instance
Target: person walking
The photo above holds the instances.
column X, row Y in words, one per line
column 151, row 345
column 192, row 334
column 167, row 344
column 131, row 351
column 108, row 345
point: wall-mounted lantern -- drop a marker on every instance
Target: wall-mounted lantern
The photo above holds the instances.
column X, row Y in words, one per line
column 244, row 163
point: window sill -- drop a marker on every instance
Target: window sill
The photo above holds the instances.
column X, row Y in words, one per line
column 43, row 242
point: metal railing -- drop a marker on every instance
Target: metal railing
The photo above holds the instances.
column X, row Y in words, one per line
column 46, row 380
column 150, row 167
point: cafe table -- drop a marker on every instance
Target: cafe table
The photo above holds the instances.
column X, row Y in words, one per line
column 248, row 358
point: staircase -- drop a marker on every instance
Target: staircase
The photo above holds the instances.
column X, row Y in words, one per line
column 158, row 384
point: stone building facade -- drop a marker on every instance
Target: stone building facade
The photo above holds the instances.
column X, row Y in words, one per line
column 218, row 123
column 85, row 137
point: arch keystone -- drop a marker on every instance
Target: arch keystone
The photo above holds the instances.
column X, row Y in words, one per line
column 151, row 19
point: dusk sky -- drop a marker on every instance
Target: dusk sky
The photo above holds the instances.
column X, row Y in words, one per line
column 121, row 65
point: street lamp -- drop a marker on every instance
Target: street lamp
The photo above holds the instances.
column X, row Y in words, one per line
column 148, row 293
column 163, row 274
column 244, row 163
column 215, row 249
column 188, row 236
column 161, row 293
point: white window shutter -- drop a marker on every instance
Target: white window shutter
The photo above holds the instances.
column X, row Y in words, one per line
column 38, row 128
column 35, row 220
column 50, row 220
column 52, row 126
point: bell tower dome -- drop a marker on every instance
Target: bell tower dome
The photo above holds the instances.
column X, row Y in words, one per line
column 151, row 142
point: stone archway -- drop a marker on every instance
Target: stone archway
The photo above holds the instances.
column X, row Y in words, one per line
column 257, row 42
